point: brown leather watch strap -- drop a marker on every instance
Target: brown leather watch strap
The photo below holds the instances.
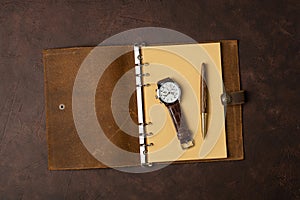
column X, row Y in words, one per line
column 183, row 134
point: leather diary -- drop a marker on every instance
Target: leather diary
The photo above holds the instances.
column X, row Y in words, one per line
column 93, row 113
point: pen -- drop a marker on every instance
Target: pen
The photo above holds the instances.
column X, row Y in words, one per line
column 204, row 99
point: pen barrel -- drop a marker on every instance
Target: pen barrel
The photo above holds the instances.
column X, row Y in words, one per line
column 204, row 90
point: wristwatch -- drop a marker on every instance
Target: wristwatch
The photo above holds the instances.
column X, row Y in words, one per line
column 169, row 93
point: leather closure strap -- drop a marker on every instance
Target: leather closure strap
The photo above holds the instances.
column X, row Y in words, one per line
column 233, row 98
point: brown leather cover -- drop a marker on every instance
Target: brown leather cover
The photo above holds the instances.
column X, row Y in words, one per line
column 65, row 149
column 231, row 78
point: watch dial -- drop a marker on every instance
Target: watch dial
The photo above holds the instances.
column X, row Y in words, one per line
column 169, row 92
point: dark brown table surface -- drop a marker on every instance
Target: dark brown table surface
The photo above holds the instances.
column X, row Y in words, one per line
column 268, row 34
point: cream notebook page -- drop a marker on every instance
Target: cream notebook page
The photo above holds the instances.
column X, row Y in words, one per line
column 182, row 63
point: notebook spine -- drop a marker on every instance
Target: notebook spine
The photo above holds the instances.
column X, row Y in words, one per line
column 139, row 64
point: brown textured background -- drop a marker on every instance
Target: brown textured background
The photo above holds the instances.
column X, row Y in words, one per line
column 268, row 32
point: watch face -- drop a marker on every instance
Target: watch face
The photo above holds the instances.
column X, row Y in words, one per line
column 169, row 92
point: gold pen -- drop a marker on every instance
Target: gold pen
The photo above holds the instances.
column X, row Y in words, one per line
column 204, row 100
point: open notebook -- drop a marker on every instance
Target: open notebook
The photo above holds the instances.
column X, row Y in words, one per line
column 98, row 88
column 181, row 63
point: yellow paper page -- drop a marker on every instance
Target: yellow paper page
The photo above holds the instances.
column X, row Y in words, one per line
column 182, row 63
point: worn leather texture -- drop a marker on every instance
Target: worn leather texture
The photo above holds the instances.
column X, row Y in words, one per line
column 65, row 148
column 268, row 34
column 67, row 151
column 234, row 98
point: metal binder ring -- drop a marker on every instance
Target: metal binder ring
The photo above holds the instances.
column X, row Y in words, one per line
column 146, row 74
column 143, row 65
column 143, row 44
column 143, row 85
column 148, row 164
column 145, row 124
column 146, row 134
column 140, row 57
column 147, row 145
